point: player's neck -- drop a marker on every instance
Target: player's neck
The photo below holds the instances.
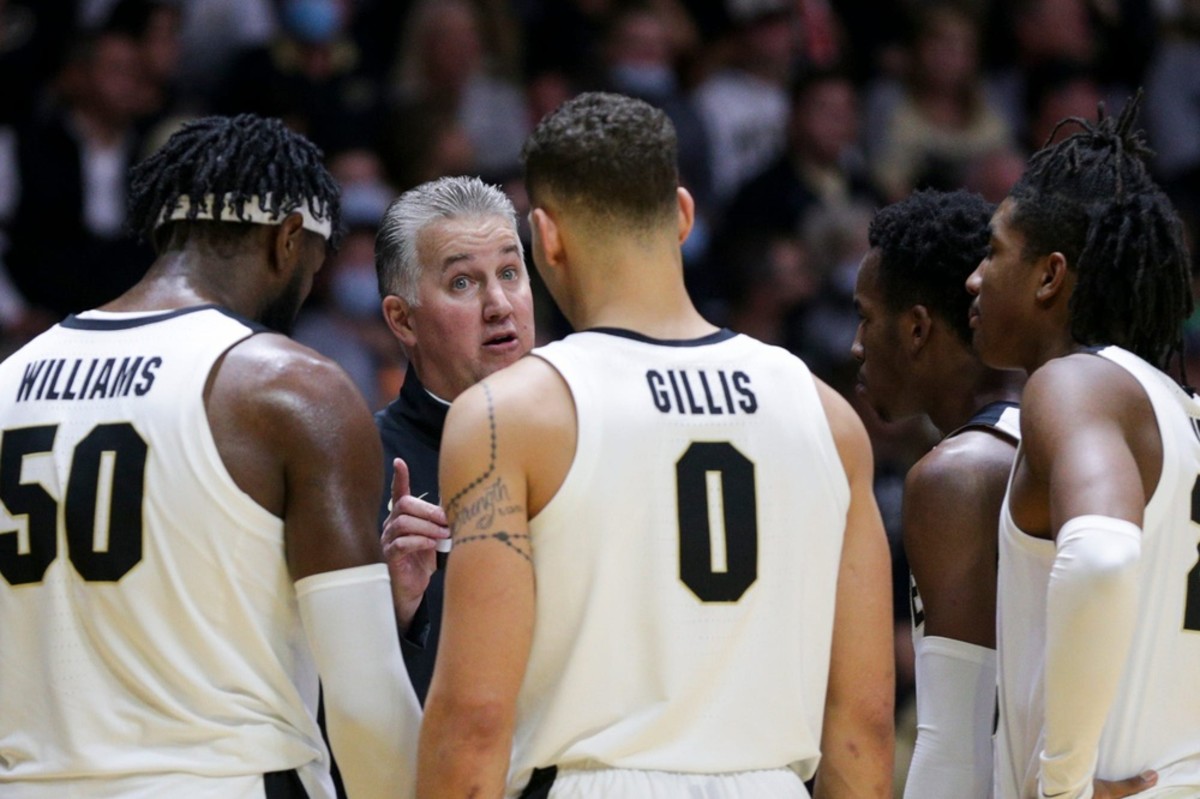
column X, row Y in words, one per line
column 634, row 287
column 965, row 387
column 173, row 281
column 654, row 306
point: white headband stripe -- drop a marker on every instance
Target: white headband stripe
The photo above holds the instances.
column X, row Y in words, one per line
column 254, row 210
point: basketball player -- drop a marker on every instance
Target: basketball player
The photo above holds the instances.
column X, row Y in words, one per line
column 188, row 511
column 914, row 350
column 1086, row 287
column 456, row 295
column 652, row 521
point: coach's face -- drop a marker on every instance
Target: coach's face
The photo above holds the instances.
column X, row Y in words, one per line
column 474, row 313
column 882, row 362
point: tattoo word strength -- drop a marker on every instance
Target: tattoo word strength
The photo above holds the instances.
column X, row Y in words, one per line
column 482, row 509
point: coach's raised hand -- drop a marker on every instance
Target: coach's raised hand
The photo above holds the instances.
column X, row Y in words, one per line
column 410, row 537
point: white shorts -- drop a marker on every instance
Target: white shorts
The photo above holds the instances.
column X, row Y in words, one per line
column 157, row 786
column 637, row 784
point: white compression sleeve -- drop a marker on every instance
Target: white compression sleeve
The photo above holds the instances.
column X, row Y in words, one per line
column 956, row 708
column 1091, row 612
column 371, row 710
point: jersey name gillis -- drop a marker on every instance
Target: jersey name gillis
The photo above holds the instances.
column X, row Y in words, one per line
column 87, row 378
column 712, row 392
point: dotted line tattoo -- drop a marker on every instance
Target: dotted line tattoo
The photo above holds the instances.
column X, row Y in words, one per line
column 504, row 538
column 487, row 392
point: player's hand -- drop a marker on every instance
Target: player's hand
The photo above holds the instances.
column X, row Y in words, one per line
column 1115, row 789
column 411, row 533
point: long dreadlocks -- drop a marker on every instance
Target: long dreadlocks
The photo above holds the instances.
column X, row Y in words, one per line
column 1091, row 198
column 238, row 158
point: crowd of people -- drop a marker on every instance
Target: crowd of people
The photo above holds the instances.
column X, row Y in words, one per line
column 927, row 202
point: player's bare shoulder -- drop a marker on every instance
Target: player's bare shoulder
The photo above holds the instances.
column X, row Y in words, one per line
column 273, row 403
column 971, row 464
column 527, row 413
column 1081, row 394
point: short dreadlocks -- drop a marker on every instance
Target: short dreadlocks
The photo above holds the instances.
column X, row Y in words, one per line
column 236, row 157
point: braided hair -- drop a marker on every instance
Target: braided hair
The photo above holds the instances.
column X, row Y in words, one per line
column 1091, row 198
column 929, row 244
column 239, row 158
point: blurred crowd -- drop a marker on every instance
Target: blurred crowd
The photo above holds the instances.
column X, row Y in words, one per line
column 796, row 120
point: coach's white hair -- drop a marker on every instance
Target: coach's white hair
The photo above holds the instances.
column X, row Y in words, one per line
column 396, row 264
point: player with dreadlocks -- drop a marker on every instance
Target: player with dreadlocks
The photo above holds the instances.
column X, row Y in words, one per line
column 187, row 531
column 1086, row 288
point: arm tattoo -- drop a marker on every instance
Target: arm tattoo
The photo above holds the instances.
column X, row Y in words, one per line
column 451, row 505
column 493, row 499
column 504, row 538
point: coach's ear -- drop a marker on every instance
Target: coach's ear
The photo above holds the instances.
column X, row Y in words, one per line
column 397, row 314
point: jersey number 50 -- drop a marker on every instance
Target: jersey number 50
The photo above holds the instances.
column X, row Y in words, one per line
column 103, row 546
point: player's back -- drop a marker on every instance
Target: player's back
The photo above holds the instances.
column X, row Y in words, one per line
column 152, row 644
column 686, row 569
column 1154, row 722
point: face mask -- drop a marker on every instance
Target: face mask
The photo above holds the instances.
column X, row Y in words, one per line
column 312, row 21
column 644, row 80
column 356, row 290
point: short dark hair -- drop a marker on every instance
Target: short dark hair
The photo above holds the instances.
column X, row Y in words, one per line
column 609, row 156
column 237, row 157
column 929, row 243
column 1091, row 198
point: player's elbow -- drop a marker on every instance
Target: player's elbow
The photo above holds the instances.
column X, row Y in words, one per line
column 473, row 723
column 1098, row 560
column 863, row 730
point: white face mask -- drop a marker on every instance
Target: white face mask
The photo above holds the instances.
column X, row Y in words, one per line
column 355, row 290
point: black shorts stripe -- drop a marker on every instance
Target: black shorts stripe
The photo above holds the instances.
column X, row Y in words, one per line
column 284, row 785
column 540, row 782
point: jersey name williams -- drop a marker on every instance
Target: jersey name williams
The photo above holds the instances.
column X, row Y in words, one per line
column 87, row 379
column 696, row 392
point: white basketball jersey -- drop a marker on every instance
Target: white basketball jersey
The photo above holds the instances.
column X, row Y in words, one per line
column 1155, row 719
column 687, row 567
column 150, row 629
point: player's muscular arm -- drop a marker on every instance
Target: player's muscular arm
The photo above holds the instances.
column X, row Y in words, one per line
column 298, row 438
column 952, row 501
column 1091, row 442
column 499, row 465
column 858, row 737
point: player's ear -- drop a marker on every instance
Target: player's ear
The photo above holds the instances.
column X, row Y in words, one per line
column 286, row 241
column 687, row 212
column 919, row 321
column 1053, row 277
column 398, row 315
column 547, row 239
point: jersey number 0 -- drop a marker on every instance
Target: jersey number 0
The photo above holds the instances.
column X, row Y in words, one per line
column 101, row 551
column 718, row 521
